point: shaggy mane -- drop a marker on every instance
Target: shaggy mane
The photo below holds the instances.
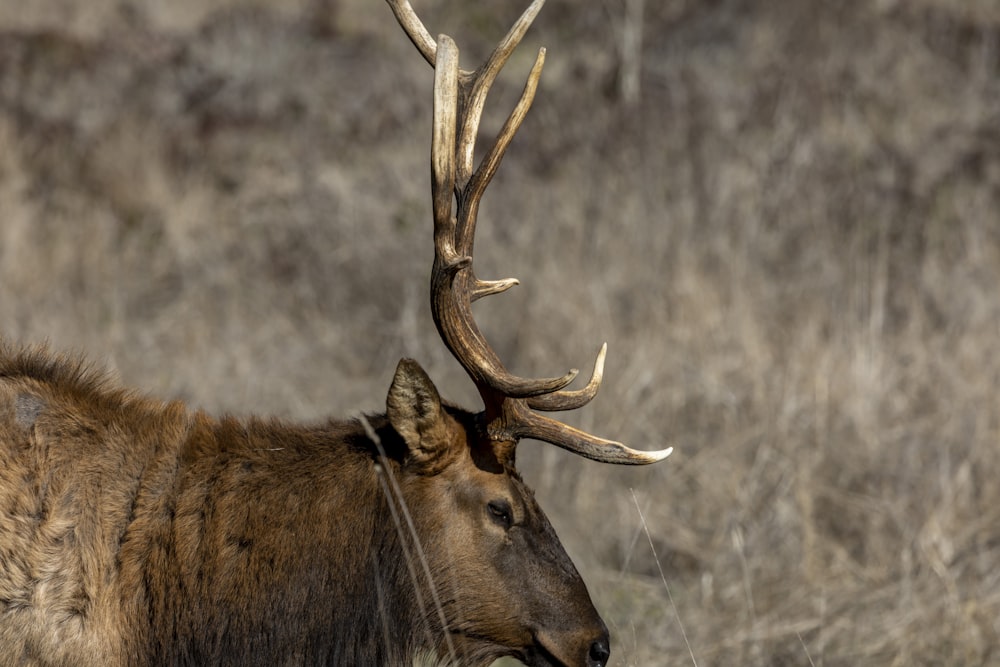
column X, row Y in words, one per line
column 70, row 374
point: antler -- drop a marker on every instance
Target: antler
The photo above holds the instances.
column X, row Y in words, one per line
column 459, row 98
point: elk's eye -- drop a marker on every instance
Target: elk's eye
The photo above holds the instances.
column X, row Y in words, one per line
column 500, row 512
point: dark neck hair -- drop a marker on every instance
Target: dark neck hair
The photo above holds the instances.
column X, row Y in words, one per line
column 310, row 570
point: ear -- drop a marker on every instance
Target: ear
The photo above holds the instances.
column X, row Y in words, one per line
column 414, row 410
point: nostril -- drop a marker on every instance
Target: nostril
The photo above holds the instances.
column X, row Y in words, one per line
column 599, row 653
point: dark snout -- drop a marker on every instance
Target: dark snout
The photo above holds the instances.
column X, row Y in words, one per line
column 599, row 651
column 588, row 647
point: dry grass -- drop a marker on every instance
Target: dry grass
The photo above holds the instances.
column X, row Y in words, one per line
column 790, row 240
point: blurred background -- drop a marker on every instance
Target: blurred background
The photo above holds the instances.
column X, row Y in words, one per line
column 783, row 216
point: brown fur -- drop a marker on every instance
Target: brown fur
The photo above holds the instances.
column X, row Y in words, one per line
column 137, row 532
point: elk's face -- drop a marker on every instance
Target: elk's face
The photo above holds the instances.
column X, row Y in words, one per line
column 505, row 583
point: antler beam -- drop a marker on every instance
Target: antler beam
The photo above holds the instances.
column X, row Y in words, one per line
column 459, row 99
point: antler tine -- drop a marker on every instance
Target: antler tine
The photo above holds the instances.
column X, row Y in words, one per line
column 488, row 167
column 574, row 440
column 532, row 425
column 414, row 29
column 483, row 81
column 571, row 400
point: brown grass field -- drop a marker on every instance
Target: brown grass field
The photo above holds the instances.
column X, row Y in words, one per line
column 784, row 218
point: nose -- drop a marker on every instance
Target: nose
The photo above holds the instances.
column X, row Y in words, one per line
column 600, row 651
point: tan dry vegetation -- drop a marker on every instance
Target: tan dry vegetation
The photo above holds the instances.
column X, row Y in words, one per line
column 790, row 239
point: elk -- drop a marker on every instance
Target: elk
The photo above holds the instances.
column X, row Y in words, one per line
column 139, row 532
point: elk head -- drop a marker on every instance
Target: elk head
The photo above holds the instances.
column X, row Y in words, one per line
column 519, row 593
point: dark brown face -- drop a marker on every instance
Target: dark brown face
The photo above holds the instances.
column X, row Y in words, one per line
column 515, row 590
column 505, row 582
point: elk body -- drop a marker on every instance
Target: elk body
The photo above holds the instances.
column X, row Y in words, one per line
column 138, row 532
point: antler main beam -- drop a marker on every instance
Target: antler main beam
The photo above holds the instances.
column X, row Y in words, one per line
column 459, row 99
